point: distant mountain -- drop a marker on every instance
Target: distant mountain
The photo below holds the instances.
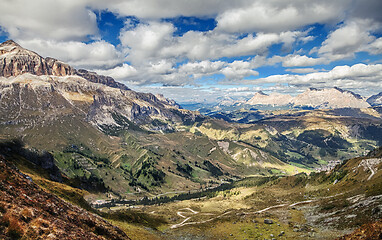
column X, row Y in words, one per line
column 375, row 100
column 313, row 98
column 329, row 99
column 276, row 99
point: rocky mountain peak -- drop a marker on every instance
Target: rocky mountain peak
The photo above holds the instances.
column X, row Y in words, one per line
column 375, row 100
column 261, row 93
column 330, row 98
column 260, row 98
column 9, row 43
column 16, row 60
column 10, row 49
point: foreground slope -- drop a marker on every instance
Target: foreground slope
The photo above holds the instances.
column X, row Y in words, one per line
column 28, row 212
column 324, row 205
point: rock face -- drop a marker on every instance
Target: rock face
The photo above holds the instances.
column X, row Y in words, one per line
column 314, row 98
column 36, row 90
column 375, row 100
column 15, row 60
column 330, row 98
column 277, row 99
column 94, row 77
column 32, row 100
column 29, row 212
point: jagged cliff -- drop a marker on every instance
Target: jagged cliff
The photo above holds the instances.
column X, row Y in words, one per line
column 15, row 60
column 37, row 90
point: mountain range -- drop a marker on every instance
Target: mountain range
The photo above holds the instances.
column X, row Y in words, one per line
column 330, row 98
column 69, row 135
column 98, row 130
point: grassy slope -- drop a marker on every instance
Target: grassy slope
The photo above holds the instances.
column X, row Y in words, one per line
column 304, row 137
column 135, row 227
column 336, row 208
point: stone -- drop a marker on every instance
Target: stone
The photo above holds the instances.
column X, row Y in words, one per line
column 268, row 221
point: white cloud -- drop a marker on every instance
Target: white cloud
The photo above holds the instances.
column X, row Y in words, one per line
column 156, row 9
column 239, row 70
column 358, row 76
column 161, row 67
column 120, row 72
column 146, row 40
column 280, row 15
column 375, row 47
column 236, row 70
column 301, row 61
column 55, row 20
column 301, row 70
column 95, row 55
column 154, row 40
column 351, row 37
column 200, row 69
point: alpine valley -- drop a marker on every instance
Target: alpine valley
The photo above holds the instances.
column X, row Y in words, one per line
column 85, row 157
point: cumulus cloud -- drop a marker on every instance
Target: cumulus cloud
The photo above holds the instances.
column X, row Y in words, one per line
column 301, row 70
column 156, row 9
column 239, row 70
column 236, row 70
column 280, row 15
column 95, row 55
column 200, row 69
column 301, row 61
column 375, row 47
column 351, row 37
column 359, row 76
column 120, row 72
column 154, row 40
column 56, row 20
column 146, row 40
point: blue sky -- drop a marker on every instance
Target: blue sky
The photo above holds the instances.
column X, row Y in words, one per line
column 199, row 51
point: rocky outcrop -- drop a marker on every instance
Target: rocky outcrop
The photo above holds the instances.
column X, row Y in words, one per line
column 28, row 212
column 94, row 77
column 15, row 61
column 329, row 98
column 366, row 231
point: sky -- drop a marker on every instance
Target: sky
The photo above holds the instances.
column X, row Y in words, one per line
column 208, row 50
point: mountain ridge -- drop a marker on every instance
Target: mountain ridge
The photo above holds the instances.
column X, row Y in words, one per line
column 16, row 60
column 327, row 98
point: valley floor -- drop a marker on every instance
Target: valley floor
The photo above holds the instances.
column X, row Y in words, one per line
column 269, row 212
